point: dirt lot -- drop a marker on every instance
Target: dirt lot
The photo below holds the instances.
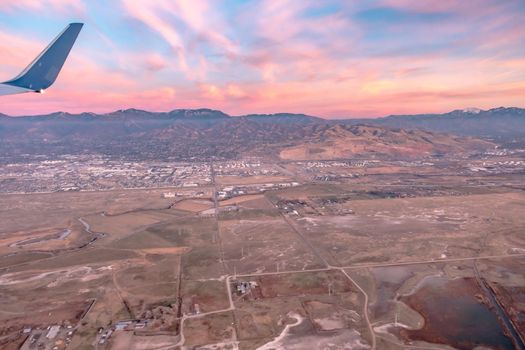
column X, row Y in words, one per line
column 386, row 230
column 263, row 244
column 212, row 329
column 194, row 205
column 318, row 315
column 246, row 180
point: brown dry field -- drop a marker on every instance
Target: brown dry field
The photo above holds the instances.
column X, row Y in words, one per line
column 301, row 283
column 413, row 229
column 209, row 295
column 306, row 191
column 263, row 244
column 133, row 265
column 194, row 205
column 263, row 320
column 261, row 204
column 49, row 209
column 215, row 328
column 121, row 225
column 241, row 199
column 129, row 341
column 248, row 180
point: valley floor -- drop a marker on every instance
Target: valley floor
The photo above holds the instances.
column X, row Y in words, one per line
column 336, row 255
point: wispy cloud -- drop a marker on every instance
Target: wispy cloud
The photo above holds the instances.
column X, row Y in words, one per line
column 61, row 6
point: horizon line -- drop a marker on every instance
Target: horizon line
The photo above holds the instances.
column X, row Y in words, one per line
column 466, row 110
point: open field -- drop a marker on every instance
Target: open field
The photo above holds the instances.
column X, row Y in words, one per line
column 263, row 244
column 245, row 180
column 194, row 205
column 242, row 199
column 322, row 306
column 404, row 230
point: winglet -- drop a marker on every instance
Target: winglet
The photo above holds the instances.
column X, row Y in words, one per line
column 43, row 71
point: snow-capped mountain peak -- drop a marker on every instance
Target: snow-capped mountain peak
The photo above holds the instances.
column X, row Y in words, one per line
column 472, row 110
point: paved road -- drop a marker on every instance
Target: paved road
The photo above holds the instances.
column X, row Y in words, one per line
column 432, row 261
column 365, row 309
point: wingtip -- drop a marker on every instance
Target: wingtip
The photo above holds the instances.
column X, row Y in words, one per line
column 42, row 73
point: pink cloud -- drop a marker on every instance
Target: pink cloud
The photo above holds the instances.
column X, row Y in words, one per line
column 15, row 51
column 474, row 7
column 75, row 101
column 154, row 62
column 62, row 6
column 197, row 15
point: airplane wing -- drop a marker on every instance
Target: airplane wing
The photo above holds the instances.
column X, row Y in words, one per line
column 43, row 71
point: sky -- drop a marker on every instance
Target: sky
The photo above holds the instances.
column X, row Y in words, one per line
column 330, row 58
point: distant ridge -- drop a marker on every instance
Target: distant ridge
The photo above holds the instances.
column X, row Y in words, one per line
column 189, row 134
column 498, row 123
column 199, row 113
column 284, row 118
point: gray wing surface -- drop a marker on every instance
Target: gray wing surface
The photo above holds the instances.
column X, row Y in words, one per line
column 44, row 69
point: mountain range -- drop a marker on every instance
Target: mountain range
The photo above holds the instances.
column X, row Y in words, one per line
column 502, row 124
column 189, row 134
